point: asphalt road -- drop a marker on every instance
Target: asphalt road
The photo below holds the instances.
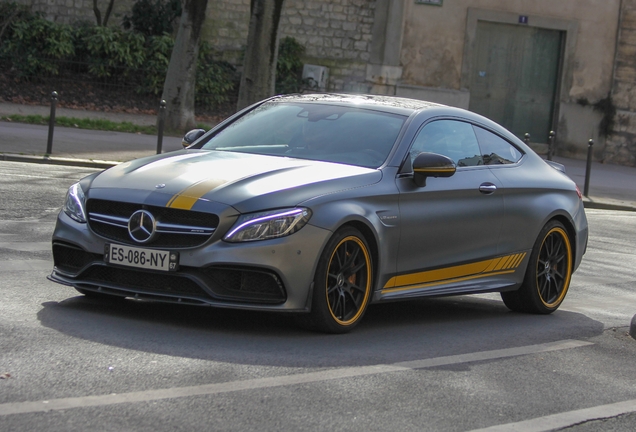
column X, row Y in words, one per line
column 69, row 363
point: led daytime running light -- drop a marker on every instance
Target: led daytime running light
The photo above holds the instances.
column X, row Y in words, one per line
column 299, row 215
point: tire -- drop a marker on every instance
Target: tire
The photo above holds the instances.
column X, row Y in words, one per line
column 548, row 275
column 342, row 284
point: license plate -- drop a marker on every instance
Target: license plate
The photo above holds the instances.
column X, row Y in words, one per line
column 142, row 258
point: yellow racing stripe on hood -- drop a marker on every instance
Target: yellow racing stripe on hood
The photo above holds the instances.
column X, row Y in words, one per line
column 185, row 199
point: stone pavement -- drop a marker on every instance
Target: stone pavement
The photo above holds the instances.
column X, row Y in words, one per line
column 611, row 186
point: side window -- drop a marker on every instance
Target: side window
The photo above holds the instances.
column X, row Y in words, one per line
column 451, row 138
column 496, row 150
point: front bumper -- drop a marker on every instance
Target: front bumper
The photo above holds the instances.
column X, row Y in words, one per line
column 264, row 275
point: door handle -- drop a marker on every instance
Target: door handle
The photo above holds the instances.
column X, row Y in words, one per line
column 487, row 188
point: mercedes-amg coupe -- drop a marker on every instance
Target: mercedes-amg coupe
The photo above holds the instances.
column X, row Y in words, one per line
column 319, row 205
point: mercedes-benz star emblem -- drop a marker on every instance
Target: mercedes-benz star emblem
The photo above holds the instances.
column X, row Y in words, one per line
column 141, row 226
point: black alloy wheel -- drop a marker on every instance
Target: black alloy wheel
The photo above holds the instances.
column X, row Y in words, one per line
column 342, row 286
column 548, row 274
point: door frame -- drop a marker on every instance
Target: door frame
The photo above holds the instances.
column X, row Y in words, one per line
column 568, row 28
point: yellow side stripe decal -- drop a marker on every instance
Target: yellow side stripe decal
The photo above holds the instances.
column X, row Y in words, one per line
column 518, row 260
column 491, row 267
column 503, row 264
column 430, row 284
column 186, row 198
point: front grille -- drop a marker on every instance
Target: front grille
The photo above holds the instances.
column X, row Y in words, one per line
column 176, row 228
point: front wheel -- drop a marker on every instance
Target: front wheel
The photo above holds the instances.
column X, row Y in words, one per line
column 548, row 274
column 342, row 285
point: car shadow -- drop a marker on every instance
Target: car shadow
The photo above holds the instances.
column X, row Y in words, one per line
column 389, row 333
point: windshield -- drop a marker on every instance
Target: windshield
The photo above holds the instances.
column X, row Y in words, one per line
column 329, row 133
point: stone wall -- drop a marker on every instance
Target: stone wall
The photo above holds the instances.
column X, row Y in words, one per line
column 620, row 146
column 226, row 27
column 336, row 34
column 71, row 11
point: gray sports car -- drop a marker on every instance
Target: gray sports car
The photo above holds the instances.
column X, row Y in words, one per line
column 323, row 204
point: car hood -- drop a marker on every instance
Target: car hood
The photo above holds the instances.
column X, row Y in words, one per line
column 189, row 178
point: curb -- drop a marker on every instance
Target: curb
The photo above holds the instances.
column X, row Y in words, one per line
column 607, row 204
column 57, row 161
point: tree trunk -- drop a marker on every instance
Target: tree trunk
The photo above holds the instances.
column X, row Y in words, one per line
column 179, row 87
column 108, row 12
column 98, row 14
column 259, row 68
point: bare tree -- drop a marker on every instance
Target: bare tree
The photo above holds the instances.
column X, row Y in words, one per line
column 179, row 87
column 259, row 68
column 98, row 14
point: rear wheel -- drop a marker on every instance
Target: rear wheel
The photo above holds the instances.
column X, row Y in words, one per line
column 548, row 274
column 342, row 285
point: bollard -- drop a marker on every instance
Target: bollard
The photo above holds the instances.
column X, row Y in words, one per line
column 526, row 138
column 588, row 168
column 49, row 142
column 160, row 124
column 551, row 136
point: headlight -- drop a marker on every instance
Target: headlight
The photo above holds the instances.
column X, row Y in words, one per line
column 74, row 203
column 268, row 225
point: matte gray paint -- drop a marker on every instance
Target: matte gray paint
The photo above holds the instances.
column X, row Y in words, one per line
column 528, row 194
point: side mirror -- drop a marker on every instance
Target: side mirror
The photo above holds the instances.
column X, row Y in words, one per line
column 191, row 137
column 432, row 165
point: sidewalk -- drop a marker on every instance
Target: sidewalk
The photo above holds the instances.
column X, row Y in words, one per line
column 611, row 186
column 8, row 108
column 79, row 147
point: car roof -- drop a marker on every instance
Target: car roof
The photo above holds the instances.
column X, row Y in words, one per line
column 392, row 104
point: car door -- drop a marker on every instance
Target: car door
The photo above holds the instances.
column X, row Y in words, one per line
column 451, row 223
column 503, row 159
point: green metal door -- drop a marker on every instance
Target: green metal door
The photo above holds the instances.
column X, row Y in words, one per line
column 514, row 77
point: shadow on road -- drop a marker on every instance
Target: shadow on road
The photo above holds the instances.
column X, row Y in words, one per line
column 389, row 333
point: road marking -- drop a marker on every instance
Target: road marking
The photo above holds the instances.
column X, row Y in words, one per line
column 278, row 381
column 562, row 420
column 493, row 355
column 25, row 265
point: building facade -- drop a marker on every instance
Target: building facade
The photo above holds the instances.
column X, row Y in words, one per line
column 567, row 66
column 620, row 146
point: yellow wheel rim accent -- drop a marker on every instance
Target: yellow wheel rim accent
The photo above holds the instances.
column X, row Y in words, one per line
column 554, row 267
column 343, row 293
